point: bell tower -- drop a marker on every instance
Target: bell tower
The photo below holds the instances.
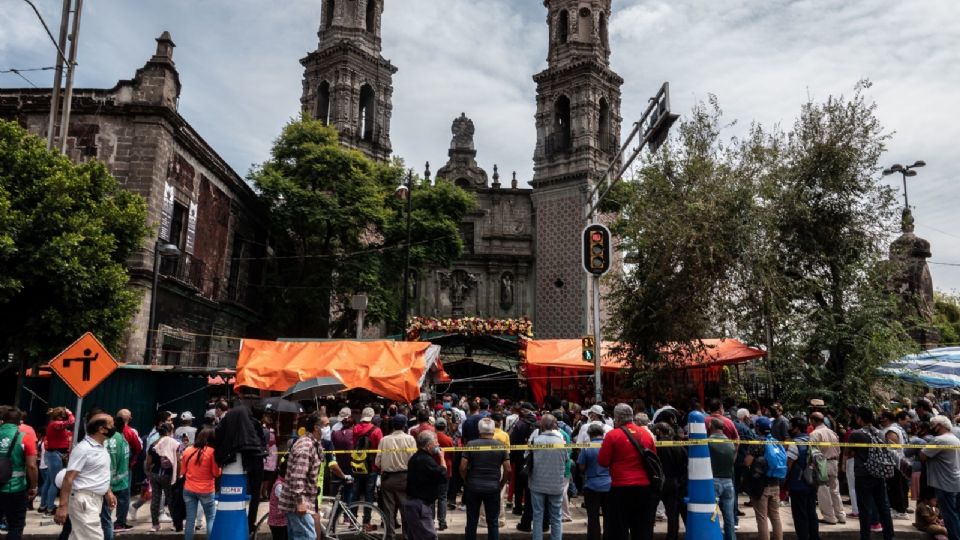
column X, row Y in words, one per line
column 347, row 83
column 578, row 133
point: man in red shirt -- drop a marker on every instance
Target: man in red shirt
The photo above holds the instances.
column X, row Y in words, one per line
column 130, row 435
column 362, row 466
column 715, row 408
column 632, row 504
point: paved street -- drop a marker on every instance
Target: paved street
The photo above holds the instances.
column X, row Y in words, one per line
column 43, row 528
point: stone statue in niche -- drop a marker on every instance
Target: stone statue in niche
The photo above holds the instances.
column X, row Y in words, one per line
column 461, row 283
column 506, row 290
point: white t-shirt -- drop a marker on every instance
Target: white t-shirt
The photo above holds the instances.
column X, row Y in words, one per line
column 92, row 463
column 189, row 431
column 583, row 438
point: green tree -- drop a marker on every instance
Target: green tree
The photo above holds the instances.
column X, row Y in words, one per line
column 946, row 318
column 338, row 229
column 66, row 232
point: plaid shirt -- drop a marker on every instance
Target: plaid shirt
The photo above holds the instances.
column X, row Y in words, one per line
column 300, row 484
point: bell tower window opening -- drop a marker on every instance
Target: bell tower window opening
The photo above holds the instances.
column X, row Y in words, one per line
column 563, row 26
column 367, row 105
column 323, row 102
column 603, row 126
column 331, row 6
column 371, row 15
column 562, row 123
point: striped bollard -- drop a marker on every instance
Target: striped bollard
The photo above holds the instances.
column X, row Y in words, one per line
column 702, row 524
column 230, row 522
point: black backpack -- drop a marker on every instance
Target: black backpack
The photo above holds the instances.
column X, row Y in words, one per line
column 6, row 464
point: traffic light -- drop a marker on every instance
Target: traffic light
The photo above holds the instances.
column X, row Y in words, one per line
column 596, row 249
column 588, row 343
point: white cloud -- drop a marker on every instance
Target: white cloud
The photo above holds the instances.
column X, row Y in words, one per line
column 239, row 64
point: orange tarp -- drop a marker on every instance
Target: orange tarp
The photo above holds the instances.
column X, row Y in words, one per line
column 566, row 353
column 392, row 369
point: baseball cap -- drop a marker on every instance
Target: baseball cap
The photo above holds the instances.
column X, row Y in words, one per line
column 817, row 402
column 398, row 421
column 596, row 409
column 528, row 406
column 186, row 415
column 345, row 413
column 763, row 424
column 366, row 414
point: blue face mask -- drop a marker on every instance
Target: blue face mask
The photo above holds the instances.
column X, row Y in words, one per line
column 447, row 405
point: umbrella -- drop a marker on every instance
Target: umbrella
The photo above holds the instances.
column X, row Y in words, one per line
column 314, row 388
column 281, row 405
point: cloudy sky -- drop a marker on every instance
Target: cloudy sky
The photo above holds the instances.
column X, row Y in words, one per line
column 239, row 65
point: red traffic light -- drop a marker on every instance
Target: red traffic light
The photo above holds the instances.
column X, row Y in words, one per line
column 596, row 236
column 596, row 249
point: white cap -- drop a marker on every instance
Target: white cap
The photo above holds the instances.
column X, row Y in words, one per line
column 367, row 414
column 345, row 413
column 596, row 409
column 186, row 415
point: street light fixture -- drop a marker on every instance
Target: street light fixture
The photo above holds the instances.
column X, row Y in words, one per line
column 161, row 249
column 905, row 171
column 405, row 191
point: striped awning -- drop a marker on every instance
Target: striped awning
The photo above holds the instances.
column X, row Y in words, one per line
column 936, row 368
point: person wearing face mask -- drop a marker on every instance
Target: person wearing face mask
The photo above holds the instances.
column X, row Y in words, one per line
column 86, row 484
column 943, row 472
column 425, row 475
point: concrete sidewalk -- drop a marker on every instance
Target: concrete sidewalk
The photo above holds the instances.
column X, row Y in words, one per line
column 43, row 528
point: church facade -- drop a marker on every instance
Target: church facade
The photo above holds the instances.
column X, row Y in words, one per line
column 521, row 245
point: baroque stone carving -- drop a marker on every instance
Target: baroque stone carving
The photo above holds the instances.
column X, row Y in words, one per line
column 463, row 131
column 506, row 290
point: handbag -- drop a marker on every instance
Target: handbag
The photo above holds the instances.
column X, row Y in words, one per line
column 651, row 463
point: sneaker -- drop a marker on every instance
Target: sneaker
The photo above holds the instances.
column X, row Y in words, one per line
column 119, row 528
column 876, row 527
column 567, row 520
column 442, row 527
column 165, row 518
column 736, row 527
column 899, row 515
column 132, row 514
column 740, row 513
column 155, row 528
column 784, row 503
column 524, row 528
column 853, row 515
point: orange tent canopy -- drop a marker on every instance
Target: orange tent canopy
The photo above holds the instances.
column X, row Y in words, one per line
column 392, row 369
column 566, row 354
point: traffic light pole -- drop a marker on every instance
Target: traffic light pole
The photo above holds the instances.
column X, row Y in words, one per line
column 597, row 381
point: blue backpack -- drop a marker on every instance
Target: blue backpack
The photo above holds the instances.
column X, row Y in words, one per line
column 776, row 458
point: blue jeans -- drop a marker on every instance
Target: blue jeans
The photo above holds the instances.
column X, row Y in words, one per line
column 550, row 503
column 106, row 522
column 365, row 485
column 191, row 500
column 123, row 505
column 48, row 499
column 949, row 503
column 727, row 499
column 300, row 527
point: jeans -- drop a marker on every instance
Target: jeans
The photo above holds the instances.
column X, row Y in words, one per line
column 54, row 460
column 160, row 485
column 441, row 504
column 851, row 486
column 949, row 503
column 301, row 527
column 491, row 508
column 191, row 500
column 365, row 485
column 767, row 506
column 803, row 507
column 13, row 508
column 106, row 523
column 727, row 500
column 633, row 512
column 123, row 506
column 872, row 503
column 596, row 502
column 551, row 504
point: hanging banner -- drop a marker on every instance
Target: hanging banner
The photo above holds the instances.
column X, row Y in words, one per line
column 166, row 211
column 191, row 228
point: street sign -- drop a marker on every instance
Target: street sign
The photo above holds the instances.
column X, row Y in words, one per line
column 587, row 345
column 84, row 364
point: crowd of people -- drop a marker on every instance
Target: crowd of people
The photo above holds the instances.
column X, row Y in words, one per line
column 418, row 463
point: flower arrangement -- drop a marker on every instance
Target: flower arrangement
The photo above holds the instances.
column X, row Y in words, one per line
column 473, row 326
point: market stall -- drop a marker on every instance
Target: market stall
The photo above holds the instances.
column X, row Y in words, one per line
column 934, row 368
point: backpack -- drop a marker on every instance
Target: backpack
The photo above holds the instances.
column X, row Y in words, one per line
column 360, row 457
column 816, row 473
column 879, row 462
column 651, row 462
column 776, row 459
column 6, row 464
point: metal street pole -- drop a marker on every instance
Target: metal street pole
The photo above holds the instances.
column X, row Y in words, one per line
column 71, row 64
column 406, row 260
column 151, row 331
column 598, row 382
column 58, row 75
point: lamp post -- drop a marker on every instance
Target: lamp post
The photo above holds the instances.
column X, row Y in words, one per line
column 905, row 171
column 160, row 249
column 405, row 191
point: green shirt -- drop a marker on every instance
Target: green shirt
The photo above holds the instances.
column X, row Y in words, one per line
column 722, row 456
column 18, row 482
column 119, row 451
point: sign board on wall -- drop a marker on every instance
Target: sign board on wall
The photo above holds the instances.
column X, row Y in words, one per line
column 166, row 211
column 191, row 228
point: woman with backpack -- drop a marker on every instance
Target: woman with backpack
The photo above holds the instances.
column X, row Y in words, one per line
column 766, row 467
column 200, row 471
column 161, row 468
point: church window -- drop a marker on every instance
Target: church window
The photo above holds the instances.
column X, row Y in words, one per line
column 331, row 6
column 603, row 126
column 604, row 37
column 562, row 124
column 563, row 27
column 371, row 15
column 367, row 105
column 323, row 102
column 463, row 183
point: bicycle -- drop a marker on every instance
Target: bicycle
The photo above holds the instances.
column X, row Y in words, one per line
column 337, row 520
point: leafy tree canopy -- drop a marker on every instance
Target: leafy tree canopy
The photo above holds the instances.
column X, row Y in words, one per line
column 66, row 231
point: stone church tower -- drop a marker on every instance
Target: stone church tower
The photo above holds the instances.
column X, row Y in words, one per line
column 578, row 133
column 346, row 81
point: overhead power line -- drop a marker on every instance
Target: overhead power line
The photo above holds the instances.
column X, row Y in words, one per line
column 47, row 28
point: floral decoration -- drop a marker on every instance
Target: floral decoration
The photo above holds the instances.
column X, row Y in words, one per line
column 473, row 326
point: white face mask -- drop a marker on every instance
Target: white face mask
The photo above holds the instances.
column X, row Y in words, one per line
column 325, row 433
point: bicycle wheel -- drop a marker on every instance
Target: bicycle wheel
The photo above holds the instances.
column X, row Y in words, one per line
column 352, row 527
column 261, row 531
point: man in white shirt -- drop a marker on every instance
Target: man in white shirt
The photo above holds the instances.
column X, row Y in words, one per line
column 186, row 429
column 86, row 483
column 595, row 414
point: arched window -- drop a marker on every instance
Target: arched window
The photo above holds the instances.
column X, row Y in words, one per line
column 323, row 102
column 603, row 126
column 367, row 108
column 563, row 27
column 371, row 15
column 331, row 6
column 562, row 124
column 463, row 183
column 604, row 37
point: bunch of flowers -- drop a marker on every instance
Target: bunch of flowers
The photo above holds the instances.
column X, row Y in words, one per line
column 473, row 326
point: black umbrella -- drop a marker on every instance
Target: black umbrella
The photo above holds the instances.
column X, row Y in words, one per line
column 281, row 405
column 315, row 388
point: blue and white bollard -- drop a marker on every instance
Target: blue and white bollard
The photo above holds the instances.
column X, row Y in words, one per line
column 230, row 522
column 702, row 521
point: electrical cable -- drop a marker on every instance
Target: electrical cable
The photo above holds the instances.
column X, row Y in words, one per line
column 45, row 27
